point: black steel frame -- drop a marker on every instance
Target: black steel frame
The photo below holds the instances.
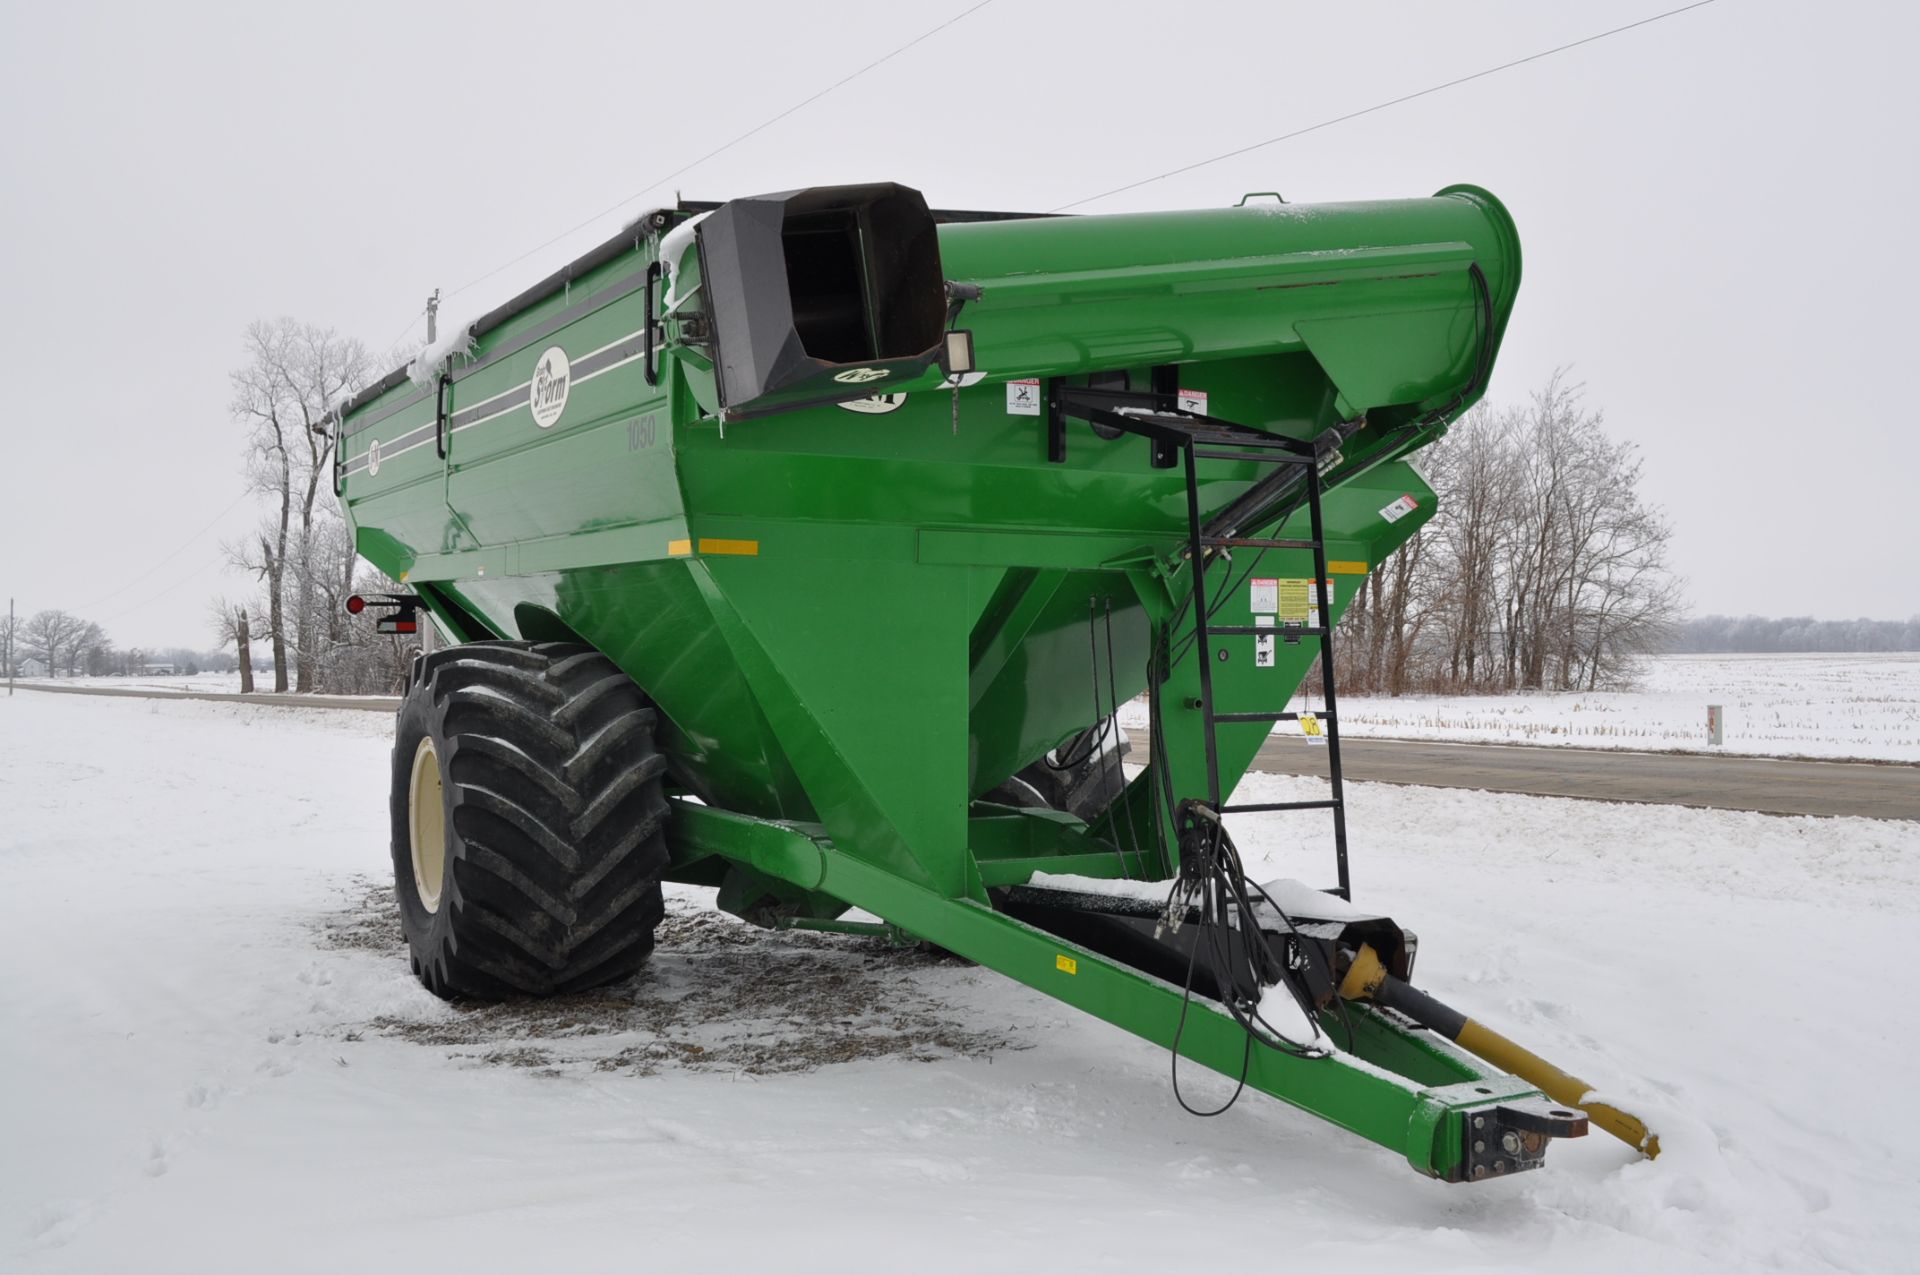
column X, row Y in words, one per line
column 1178, row 436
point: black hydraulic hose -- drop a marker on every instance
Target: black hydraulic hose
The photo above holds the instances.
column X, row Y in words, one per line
column 1119, row 767
column 1097, row 731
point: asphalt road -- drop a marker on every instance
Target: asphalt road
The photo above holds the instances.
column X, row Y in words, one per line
column 1775, row 786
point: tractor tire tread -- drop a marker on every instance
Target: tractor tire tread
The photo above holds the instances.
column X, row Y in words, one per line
column 555, row 836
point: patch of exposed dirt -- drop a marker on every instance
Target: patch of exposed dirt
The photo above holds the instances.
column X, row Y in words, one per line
column 718, row 995
column 369, row 922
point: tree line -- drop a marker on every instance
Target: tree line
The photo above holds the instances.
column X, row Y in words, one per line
column 55, row 643
column 301, row 554
column 1543, row 568
column 1708, row 634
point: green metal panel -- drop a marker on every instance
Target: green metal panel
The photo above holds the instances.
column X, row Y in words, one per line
column 855, row 622
column 1418, row 1108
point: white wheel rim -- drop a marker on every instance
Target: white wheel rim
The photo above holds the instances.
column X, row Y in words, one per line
column 427, row 826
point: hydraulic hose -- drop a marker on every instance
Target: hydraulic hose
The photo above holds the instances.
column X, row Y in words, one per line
column 1367, row 979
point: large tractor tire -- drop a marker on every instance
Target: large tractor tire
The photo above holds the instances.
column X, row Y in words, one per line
column 527, row 820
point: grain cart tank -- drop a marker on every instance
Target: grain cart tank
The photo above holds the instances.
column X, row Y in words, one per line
column 803, row 546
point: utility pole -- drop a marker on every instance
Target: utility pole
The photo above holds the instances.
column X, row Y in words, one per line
column 433, row 316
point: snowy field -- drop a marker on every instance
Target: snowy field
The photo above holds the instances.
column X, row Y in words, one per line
column 1837, row 706
column 204, row 683
column 1865, row 706
column 213, row 1058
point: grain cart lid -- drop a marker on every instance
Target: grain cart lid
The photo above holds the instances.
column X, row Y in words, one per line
column 818, row 295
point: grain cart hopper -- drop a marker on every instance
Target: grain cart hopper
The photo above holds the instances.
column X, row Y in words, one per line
column 803, row 547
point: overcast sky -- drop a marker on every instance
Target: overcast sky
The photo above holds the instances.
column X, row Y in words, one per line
column 1716, row 211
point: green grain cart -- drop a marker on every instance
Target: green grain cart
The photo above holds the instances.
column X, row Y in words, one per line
column 805, row 546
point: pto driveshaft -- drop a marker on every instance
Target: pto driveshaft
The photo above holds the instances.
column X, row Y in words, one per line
column 1367, row 979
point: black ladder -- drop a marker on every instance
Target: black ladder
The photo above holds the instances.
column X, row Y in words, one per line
column 1195, row 438
column 1198, row 542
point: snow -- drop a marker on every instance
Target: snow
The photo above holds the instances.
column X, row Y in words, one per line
column 1145, row 891
column 427, row 366
column 673, row 246
column 1835, row 706
column 1281, row 1013
column 194, row 1078
column 1297, row 898
column 204, row 683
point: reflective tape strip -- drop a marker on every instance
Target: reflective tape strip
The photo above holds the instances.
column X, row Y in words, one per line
column 1346, row 568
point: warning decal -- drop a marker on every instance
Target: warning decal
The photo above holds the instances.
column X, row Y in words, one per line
column 1262, row 643
column 1400, row 508
column 1194, row 401
column 1300, row 601
column 1266, row 595
column 1023, row 397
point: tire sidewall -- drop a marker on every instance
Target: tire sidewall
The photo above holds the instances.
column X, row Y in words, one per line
column 426, row 932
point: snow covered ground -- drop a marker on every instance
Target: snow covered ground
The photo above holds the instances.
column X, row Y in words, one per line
column 1841, row 706
column 205, row 683
column 1851, row 706
column 213, row 1058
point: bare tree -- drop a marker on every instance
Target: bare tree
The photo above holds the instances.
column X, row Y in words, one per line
column 362, row 661
column 1541, row 569
column 10, row 653
column 48, row 637
column 231, row 624
column 294, row 372
column 87, row 650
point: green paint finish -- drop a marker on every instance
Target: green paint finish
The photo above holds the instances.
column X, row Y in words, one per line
column 1421, row 1114
column 856, row 622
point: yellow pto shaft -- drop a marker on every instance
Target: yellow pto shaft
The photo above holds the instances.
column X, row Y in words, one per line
column 1367, row 979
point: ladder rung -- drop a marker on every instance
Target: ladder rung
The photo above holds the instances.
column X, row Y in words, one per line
column 1265, row 630
column 1266, row 456
column 1262, row 807
column 1268, row 451
column 1268, row 717
column 1251, row 542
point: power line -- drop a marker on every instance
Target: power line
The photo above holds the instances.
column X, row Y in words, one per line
column 401, row 335
column 1381, row 106
column 178, row 550
column 202, row 569
column 757, row 128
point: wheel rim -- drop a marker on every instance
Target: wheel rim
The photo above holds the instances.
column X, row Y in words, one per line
column 427, row 826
